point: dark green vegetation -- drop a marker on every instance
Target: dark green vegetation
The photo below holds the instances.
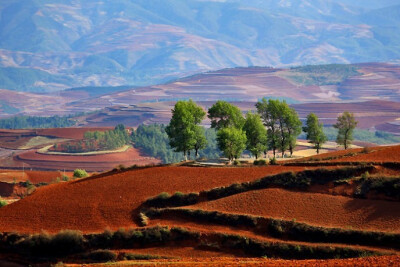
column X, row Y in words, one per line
column 387, row 186
column 95, row 247
column 153, row 140
column 300, row 180
column 96, row 141
column 29, row 122
column 79, row 173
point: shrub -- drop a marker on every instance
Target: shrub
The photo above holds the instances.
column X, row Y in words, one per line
column 79, row 173
column 2, row 202
column 65, row 178
column 67, row 241
column 100, row 255
column 365, row 175
column 144, row 220
column 260, row 162
column 273, row 161
column 131, row 256
column 177, row 199
column 236, row 162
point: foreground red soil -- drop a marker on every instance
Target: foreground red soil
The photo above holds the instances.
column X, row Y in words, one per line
column 93, row 204
column 312, row 208
column 368, row 261
column 33, row 176
column 372, row 154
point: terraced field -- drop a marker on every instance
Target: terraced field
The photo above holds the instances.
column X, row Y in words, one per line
column 225, row 215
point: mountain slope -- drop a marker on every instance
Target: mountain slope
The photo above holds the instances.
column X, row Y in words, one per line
column 90, row 43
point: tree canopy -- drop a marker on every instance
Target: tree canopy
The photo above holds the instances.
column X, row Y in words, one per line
column 256, row 134
column 282, row 122
column 345, row 124
column 315, row 131
column 186, row 115
column 232, row 141
column 223, row 114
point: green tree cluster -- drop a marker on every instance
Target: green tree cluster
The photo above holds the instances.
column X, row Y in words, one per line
column 97, row 141
column 228, row 120
column 29, row 122
column 275, row 126
column 153, row 140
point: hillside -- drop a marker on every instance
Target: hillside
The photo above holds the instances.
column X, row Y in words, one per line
column 303, row 212
column 309, row 84
column 46, row 46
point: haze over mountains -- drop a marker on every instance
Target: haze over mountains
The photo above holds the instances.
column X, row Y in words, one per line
column 51, row 45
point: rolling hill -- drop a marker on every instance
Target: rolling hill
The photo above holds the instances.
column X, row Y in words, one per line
column 53, row 45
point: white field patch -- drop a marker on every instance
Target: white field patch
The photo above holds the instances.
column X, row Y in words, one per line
column 41, row 141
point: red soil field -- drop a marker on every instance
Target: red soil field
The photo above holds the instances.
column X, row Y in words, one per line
column 312, row 208
column 377, row 154
column 95, row 203
column 227, row 261
column 33, row 176
column 12, row 139
column 69, row 133
column 373, row 154
column 90, row 163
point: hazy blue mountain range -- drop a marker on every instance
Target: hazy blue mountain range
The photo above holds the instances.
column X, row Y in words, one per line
column 48, row 45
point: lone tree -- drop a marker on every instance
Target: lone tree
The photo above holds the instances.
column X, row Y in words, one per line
column 345, row 125
column 256, row 134
column 186, row 115
column 282, row 122
column 268, row 110
column 293, row 127
column 231, row 141
column 223, row 114
column 314, row 131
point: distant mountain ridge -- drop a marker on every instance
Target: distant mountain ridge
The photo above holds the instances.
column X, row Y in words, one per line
column 53, row 45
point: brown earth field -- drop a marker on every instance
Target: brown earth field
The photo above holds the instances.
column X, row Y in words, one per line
column 107, row 201
column 18, row 149
column 93, row 163
column 381, row 154
column 333, row 211
column 224, row 261
column 117, row 199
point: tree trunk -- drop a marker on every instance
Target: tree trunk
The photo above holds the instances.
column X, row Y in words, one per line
column 184, row 155
column 197, row 153
column 188, row 154
column 317, row 148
